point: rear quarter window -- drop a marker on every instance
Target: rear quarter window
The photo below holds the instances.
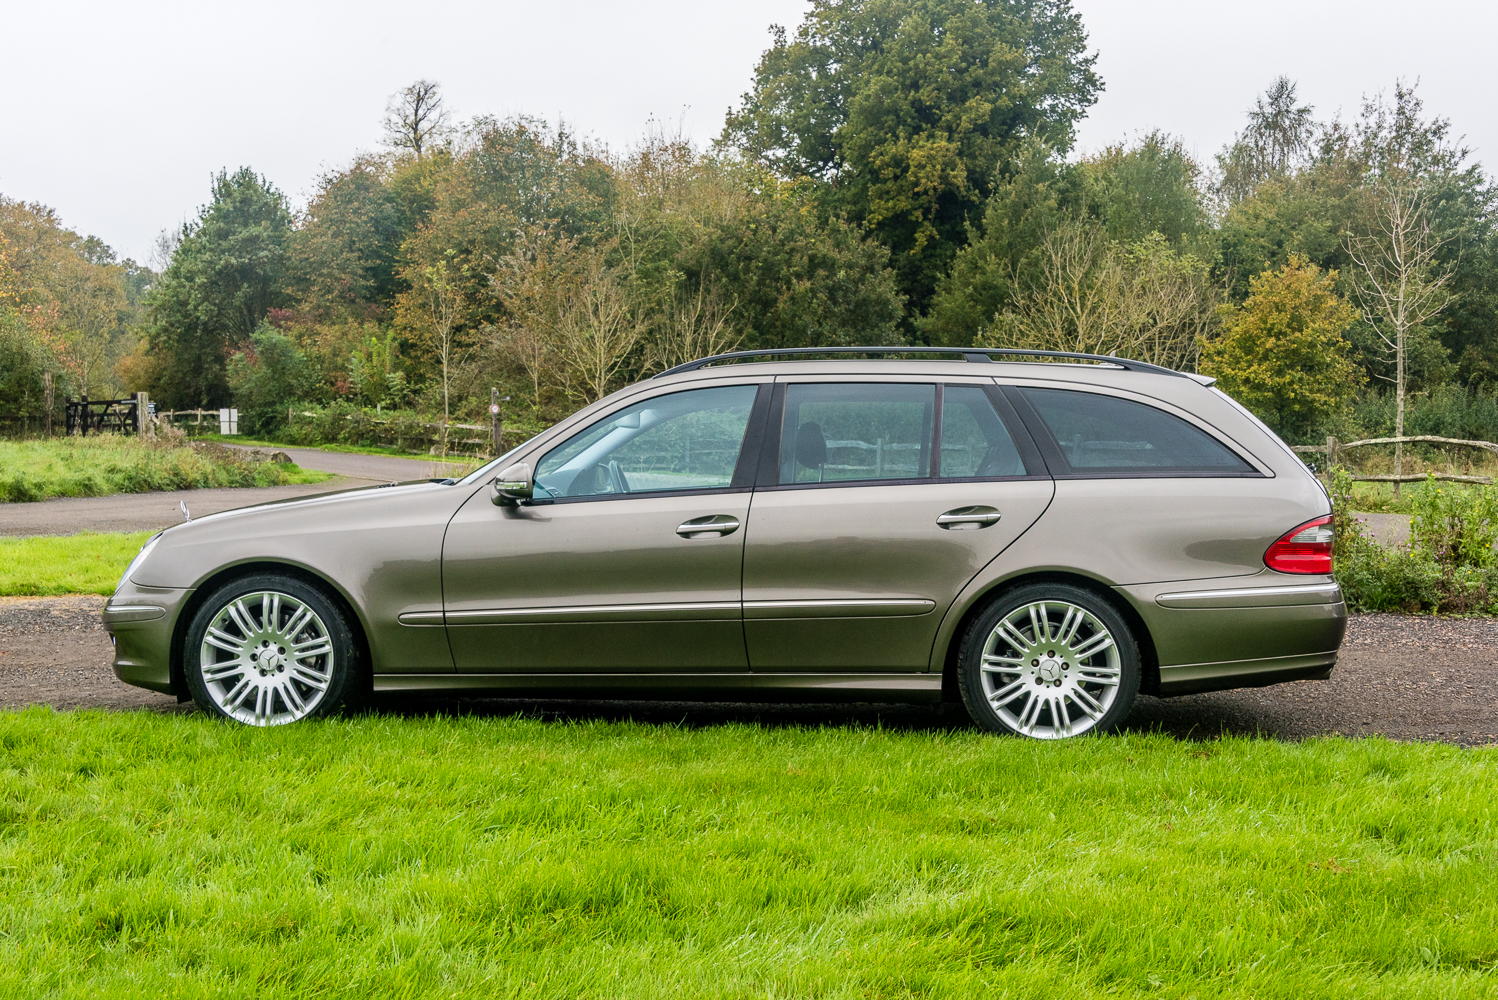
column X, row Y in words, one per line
column 1105, row 435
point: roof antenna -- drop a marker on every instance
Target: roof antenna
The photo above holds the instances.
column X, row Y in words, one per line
column 185, row 515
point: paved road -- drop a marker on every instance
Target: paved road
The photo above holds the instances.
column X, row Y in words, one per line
column 143, row 511
column 1403, row 677
column 151, row 511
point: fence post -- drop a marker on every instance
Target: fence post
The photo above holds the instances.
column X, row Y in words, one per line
column 496, row 421
column 1331, row 452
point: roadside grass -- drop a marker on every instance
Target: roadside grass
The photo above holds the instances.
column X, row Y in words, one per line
column 100, row 465
column 171, row 856
column 86, row 563
column 348, row 449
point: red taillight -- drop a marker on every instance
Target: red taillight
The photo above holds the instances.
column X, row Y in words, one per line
column 1306, row 549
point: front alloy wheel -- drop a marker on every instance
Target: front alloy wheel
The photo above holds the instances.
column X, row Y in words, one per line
column 1048, row 662
column 268, row 651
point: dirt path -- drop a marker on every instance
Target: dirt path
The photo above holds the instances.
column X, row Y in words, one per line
column 1407, row 678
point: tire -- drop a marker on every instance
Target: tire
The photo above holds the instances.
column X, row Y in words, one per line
column 1081, row 677
column 268, row 649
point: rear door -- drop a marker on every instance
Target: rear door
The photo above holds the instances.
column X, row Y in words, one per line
column 877, row 502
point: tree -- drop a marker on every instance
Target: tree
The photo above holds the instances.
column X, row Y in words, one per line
column 1092, row 295
column 443, row 293
column 227, row 272
column 1399, row 281
column 415, row 118
column 91, row 305
column 1128, row 193
column 903, row 111
column 342, row 256
column 265, row 375
column 1282, row 353
column 1278, row 139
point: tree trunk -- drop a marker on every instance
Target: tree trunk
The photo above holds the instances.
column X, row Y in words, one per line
column 1398, row 407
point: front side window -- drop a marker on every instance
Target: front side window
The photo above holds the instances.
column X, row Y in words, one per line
column 1105, row 435
column 851, row 431
column 684, row 441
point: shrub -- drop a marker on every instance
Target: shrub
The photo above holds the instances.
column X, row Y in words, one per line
column 1448, row 567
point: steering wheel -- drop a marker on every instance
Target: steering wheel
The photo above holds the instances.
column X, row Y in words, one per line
column 617, row 482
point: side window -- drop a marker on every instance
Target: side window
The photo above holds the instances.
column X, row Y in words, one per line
column 1104, row 434
column 974, row 441
column 848, row 431
column 684, row 441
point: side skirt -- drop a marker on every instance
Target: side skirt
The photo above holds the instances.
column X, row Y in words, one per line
column 921, row 687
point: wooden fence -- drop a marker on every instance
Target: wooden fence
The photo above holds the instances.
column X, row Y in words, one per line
column 1333, row 449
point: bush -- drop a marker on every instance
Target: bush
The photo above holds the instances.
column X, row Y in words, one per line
column 266, row 376
column 1448, row 567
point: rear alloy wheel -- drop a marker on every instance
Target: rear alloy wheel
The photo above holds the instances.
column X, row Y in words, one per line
column 268, row 650
column 1049, row 661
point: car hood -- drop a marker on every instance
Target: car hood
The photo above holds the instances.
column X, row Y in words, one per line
column 312, row 531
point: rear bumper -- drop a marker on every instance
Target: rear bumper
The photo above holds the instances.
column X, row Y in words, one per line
column 1241, row 632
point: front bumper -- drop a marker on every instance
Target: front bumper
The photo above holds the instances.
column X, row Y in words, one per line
column 141, row 621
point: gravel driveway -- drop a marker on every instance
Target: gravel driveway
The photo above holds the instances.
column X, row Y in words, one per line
column 1403, row 677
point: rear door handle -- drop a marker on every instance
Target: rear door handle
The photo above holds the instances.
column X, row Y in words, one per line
column 968, row 518
column 711, row 524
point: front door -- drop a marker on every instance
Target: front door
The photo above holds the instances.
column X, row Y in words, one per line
column 629, row 559
column 888, row 498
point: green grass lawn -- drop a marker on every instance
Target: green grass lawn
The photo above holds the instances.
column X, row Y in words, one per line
column 104, row 464
column 86, row 563
column 382, row 856
column 349, row 449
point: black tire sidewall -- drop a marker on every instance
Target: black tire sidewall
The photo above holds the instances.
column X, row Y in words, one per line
column 969, row 656
column 343, row 685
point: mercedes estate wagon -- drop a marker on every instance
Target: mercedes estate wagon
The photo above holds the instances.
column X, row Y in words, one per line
column 1040, row 537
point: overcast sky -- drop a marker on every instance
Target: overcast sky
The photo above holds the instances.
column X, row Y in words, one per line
column 118, row 114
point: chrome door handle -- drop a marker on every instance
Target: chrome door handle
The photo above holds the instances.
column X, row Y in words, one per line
column 712, row 524
column 968, row 518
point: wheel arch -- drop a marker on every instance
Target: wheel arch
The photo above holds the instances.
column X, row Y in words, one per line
column 1149, row 661
column 227, row 574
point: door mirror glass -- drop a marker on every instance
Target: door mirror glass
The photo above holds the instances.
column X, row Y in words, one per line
column 512, row 485
column 682, row 441
column 852, row 431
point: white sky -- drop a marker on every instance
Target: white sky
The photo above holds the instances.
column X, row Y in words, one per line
column 118, row 114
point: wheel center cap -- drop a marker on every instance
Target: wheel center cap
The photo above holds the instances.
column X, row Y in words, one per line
column 1049, row 670
column 270, row 660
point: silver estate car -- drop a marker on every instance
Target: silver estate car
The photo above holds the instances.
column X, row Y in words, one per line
column 1040, row 539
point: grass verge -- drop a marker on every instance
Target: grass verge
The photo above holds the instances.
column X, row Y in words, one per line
column 104, row 464
column 86, row 563
column 377, row 857
column 347, row 449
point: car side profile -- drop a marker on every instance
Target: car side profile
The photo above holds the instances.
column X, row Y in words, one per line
column 1042, row 537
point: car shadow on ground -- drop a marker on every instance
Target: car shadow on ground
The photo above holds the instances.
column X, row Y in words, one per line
column 1191, row 718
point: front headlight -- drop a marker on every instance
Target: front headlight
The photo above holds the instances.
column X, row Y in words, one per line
column 140, row 557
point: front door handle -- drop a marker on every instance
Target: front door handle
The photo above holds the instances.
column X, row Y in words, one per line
column 968, row 518
column 712, row 524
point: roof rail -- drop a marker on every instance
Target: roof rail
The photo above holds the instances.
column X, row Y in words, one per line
column 973, row 354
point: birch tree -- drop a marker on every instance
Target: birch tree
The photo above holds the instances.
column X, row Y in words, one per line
column 1398, row 282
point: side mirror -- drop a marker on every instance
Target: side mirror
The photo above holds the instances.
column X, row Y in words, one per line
column 512, row 485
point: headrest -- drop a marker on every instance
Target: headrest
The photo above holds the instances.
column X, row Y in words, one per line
column 811, row 445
